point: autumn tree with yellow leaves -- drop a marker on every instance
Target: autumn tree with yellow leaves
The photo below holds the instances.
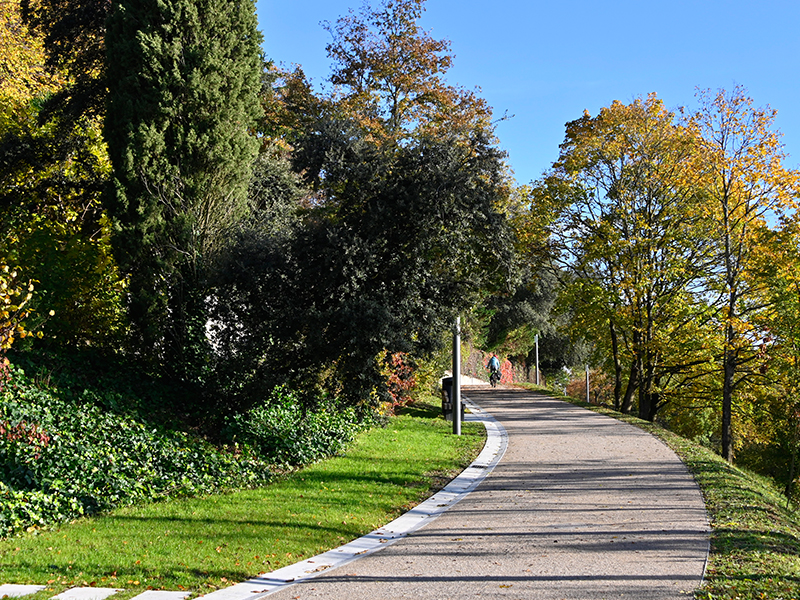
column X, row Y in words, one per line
column 51, row 219
column 746, row 185
column 22, row 70
column 628, row 181
column 663, row 226
column 775, row 420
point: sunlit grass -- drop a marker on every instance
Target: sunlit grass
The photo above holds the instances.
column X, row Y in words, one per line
column 202, row 544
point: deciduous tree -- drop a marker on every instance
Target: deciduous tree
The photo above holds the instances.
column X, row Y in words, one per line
column 391, row 76
column 747, row 184
column 23, row 74
column 630, row 238
column 50, row 214
column 73, row 34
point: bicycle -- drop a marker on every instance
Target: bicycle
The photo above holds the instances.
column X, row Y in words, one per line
column 494, row 378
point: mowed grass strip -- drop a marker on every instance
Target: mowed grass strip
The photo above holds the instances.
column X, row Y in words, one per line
column 203, row 544
column 755, row 534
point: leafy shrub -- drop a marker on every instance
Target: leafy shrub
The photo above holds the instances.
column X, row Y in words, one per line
column 116, row 385
column 61, row 458
column 400, row 378
column 21, row 510
column 289, row 435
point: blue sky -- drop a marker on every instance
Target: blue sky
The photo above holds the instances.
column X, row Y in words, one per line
column 546, row 61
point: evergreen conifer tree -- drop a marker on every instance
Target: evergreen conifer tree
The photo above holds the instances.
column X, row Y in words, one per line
column 184, row 78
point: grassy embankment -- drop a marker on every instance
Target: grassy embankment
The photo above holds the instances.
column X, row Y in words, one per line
column 205, row 543
column 755, row 538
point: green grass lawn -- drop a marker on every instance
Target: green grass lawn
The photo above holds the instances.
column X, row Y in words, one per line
column 755, row 537
column 201, row 544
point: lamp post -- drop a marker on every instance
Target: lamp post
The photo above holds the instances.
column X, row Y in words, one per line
column 457, row 377
column 588, row 397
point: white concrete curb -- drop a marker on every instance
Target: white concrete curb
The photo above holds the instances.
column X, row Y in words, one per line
column 87, row 593
column 269, row 583
column 11, row 590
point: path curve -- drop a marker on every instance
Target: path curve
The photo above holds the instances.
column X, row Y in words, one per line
column 581, row 506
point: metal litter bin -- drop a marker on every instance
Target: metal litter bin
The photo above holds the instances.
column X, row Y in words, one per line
column 447, row 399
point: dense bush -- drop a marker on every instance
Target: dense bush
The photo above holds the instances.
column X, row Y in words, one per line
column 121, row 386
column 82, row 436
column 62, row 456
column 290, row 435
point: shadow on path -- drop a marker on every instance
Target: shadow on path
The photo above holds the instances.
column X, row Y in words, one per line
column 581, row 506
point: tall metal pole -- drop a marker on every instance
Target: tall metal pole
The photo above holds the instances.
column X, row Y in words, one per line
column 588, row 400
column 457, row 377
column 537, row 359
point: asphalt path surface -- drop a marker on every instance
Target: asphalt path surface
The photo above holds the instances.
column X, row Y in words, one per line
column 581, row 506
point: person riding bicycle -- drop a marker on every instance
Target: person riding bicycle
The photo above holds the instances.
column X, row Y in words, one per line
column 494, row 367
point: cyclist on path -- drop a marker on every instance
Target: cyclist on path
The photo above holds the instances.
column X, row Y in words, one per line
column 494, row 368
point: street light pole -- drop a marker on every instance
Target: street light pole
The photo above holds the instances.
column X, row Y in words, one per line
column 457, row 377
column 588, row 397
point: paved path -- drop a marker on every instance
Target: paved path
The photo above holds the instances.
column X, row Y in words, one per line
column 581, row 506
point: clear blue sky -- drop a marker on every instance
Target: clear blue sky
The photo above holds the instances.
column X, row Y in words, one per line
column 547, row 61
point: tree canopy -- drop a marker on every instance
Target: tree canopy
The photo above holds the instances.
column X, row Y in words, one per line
column 391, row 76
column 747, row 184
column 400, row 242
column 631, row 175
column 661, row 224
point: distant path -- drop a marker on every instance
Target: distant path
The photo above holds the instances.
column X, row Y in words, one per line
column 581, row 506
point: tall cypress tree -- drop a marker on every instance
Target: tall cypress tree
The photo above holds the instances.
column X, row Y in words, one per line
column 184, row 78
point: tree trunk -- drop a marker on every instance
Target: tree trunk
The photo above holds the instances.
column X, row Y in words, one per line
column 617, row 366
column 646, row 391
column 655, row 405
column 729, row 370
column 633, row 381
column 648, row 398
column 644, row 403
column 728, row 354
column 728, row 374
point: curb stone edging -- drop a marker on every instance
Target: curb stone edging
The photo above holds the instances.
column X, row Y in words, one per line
column 8, row 590
column 11, row 590
column 266, row 584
